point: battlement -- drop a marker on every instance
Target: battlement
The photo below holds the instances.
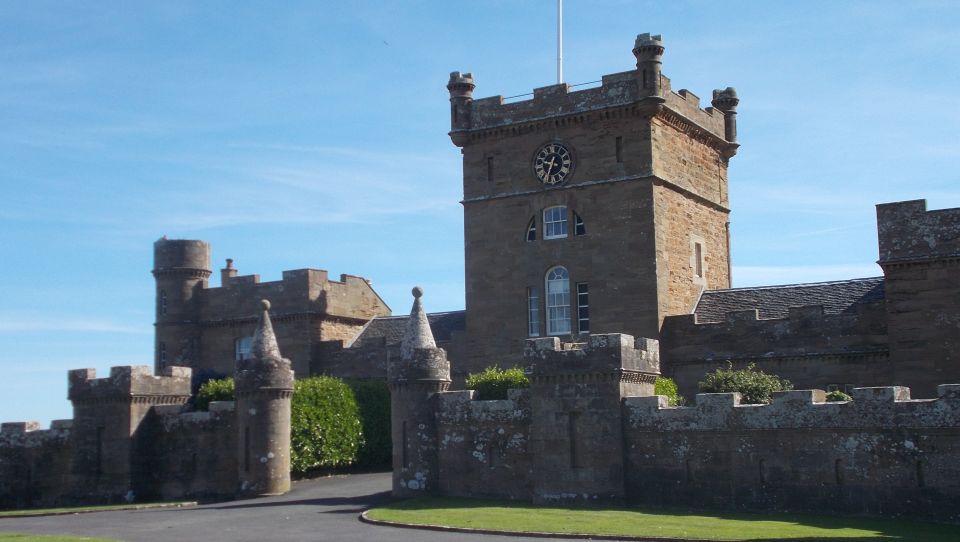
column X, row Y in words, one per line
column 907, row 231
column 603, row 353
column 644, row 88
column 888, row 407
column 806, row 330
column 298, row 292
column 460, row 407
column 28, row 434
column 125, row 383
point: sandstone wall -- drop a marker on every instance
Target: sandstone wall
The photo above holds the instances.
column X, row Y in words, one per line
column 880, row 454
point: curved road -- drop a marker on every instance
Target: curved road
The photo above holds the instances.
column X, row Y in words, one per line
column 321, row 509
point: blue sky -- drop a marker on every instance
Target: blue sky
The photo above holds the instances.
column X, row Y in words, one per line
column 313, row 134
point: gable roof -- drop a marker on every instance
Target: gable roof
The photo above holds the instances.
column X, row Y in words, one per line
column 391, row 328
column 774, row 301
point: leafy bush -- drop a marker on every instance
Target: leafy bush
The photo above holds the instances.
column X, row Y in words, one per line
column 494, row 382
column 666, row 386
column 214, row 390
column 325, row 424
column 837, row 395
column 755, row 386
column 373, row 400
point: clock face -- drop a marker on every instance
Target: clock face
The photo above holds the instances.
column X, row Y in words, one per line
column 553, row 164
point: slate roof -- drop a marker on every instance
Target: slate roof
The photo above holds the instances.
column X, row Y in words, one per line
column 773, row 301
column 443, row 324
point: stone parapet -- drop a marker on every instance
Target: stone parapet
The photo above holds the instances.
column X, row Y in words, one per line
column 131, row 383
column 613, row 353
column 908, row 232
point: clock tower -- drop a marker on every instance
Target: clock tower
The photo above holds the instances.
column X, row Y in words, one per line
column 600, row 210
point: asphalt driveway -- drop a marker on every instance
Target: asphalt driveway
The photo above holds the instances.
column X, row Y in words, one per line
column 321, row 509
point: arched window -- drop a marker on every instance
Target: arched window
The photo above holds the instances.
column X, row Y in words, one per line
column 555, row 222
column 242, row 348
column 558, row 301
column 532, row 229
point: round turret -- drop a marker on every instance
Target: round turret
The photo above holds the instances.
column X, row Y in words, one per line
column 726, row 100
column 649, row 52
column 461, row 94
column 181, row 268
column 181, row 255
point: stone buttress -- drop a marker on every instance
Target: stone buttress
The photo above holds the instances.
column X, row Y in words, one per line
column 264, row 387
column 421, row 372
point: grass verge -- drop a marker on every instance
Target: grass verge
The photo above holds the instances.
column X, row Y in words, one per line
column 27, row 512
column 655, row 523
column 22, row 537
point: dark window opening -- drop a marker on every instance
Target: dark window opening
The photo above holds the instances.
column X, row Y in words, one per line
column 162, row 355
column 573, row 419
column 619, row 149
column 162, row 303
column 489, row 169
column 579, row 228
column 698, row 259
column 532, row 229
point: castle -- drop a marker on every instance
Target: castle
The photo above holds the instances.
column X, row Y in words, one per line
column 590, row 217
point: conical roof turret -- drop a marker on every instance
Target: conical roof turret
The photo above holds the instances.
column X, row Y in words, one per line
column 418, row 334
column 265, row 345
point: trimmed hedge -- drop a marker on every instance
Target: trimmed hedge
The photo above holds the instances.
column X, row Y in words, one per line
column 837, row 395
column 494, row 382
column 214, row 390
column 755, row 387
column 373, row 399
column 666, row 386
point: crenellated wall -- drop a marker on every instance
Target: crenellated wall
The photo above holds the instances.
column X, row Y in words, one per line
column 35, row 464
column 810, row 348
column 880, row 454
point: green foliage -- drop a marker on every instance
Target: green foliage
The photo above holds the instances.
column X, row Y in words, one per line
column 755, row 386
column 666, row 386
column 373, row 400
column 494, row 382
column 214, row 390
column 325, row 425
column 837, row 395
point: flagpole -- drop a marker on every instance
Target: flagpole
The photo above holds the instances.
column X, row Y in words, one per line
column 559, row 41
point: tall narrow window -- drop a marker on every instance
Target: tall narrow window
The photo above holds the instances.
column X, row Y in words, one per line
column 579, row 228
column 489, row 169
column 533, row 312
column 698, row 259
column 162, row 303
column 583, row 308
column 532, row 229
column 162, row 354
column 619, row 149
column 555, row 222
column 558, row 301
column 453, row 114
column 242, row 347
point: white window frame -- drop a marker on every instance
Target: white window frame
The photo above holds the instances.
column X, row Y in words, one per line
column 557, row 289
column 583, row 304
column 555, row 222
column 533, row 311
column 243, row 348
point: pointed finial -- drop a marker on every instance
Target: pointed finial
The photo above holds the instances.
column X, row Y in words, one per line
column 264, row 340
column 418, row 334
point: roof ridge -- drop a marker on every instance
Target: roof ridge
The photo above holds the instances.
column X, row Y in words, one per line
column 797, row 285
column 402, row 316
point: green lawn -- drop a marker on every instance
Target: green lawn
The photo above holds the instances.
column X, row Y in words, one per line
column 522, row 517
column 85, row 509
column 19, row 537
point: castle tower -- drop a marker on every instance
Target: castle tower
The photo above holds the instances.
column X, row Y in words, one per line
column 181, row 268
column 110, row 453
column 585, row 211
column 414, row 379
column 264, row 387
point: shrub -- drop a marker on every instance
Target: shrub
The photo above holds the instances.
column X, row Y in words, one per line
column 325, row 425
column 214, row 390
column 666, row 386
column 373, row 400
column 494, row 382
column 755, row 386
column 837, row 395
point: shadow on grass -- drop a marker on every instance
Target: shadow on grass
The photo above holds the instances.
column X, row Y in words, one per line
column 887, row 530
